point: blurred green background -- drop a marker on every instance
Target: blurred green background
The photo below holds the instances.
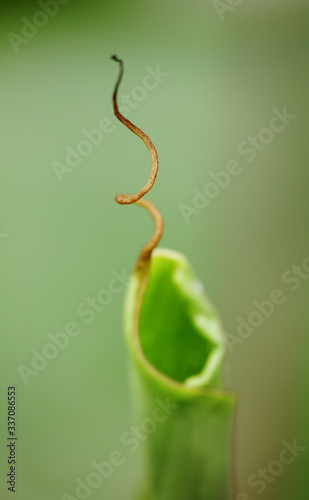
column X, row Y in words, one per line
column 226, row 67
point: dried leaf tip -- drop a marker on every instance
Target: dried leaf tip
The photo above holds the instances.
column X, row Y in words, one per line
column 127, row 199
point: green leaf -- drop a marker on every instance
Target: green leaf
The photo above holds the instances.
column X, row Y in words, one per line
column 176, row 345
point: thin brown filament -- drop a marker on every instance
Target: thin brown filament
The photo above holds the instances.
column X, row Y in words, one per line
column 127, row 199
column 145, row 253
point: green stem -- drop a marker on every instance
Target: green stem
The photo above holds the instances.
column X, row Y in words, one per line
column 177, row 348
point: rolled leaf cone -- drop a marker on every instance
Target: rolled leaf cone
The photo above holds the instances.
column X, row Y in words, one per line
column 176, row 350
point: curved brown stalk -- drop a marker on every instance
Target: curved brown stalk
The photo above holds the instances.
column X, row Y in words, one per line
column 127, row 199
column 145, row 253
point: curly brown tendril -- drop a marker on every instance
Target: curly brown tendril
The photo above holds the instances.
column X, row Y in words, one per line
column 127, row 199
column 145, row 253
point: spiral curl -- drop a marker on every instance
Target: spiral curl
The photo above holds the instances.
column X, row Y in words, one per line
column 127, row 199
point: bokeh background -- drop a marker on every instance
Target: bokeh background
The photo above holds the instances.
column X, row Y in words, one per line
column 226, row 67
